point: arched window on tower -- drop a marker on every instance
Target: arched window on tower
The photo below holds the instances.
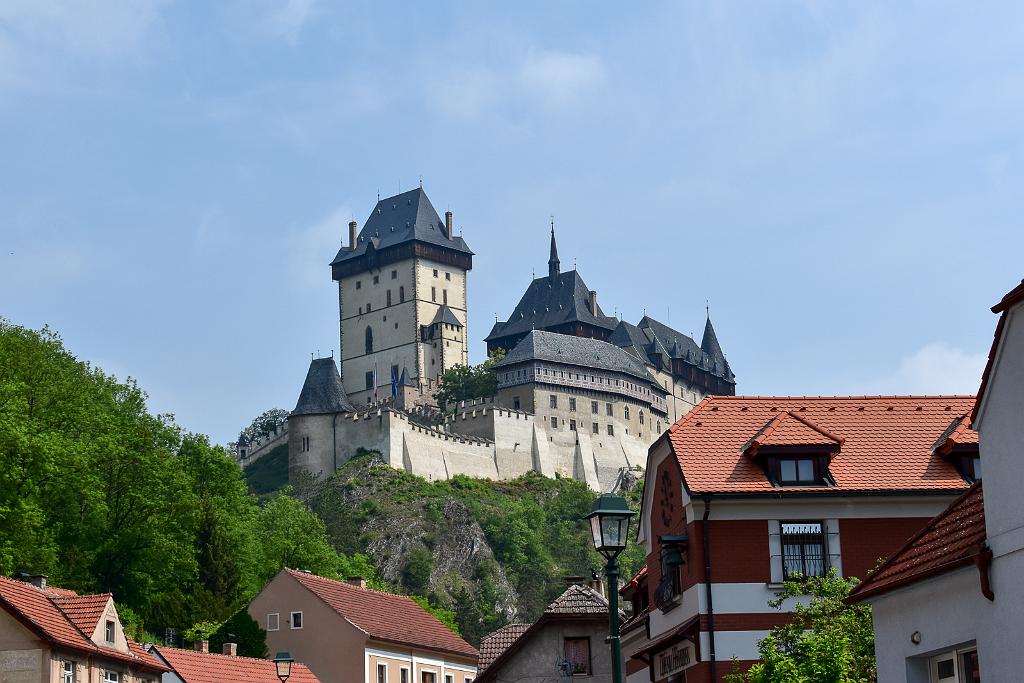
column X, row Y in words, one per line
column 369, row 339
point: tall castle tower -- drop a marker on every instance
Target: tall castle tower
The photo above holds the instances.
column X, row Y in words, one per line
column 401, row 299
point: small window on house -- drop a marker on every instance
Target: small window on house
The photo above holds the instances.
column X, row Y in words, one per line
column 572, row 425
column 577, row 653
column 435, row 272
column 296, row 620
column 596, row 428
column 608, row 409
column 376, row 279
column 798, row 471
column 403, row 675
column 108, row 631
column 369, row 379
column 553, row 401
column 444, row 295
column 803, row 549
column 641, row 417
column 433, row 294
column 448, row 678
column 593, row 407
column 658, row 428
column 394, row 274
column 428, row 677
column 389, row 297
column 369, row 308
column 625, row 412
column 359, row 284
column 401, row 294
column 369, row 339
column 611, row 430
column 68, row 673
column 572, row 405
column 447, row 276
column 554, row 423
column 273, row 621
column 969, row 466
column 382, row 673
column 515, row 403
column 111, row 677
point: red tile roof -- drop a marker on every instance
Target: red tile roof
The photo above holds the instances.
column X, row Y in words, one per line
column 886, row 441
column 493, row 644
column 635, row 581
column 385, row 616
column 958, row 433
column 84, row 611
column 207, row 667
column 39, row 610
column 951, row 539
column 788, row 428
column 1010, row 299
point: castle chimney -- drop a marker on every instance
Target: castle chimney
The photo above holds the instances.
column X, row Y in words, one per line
column 202, row 645
column 448, row 224
column 352, row 235
column 230, row 649
column 593, row 302
column 357, row 581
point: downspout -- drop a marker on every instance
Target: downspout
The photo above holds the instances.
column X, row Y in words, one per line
column 707, row 588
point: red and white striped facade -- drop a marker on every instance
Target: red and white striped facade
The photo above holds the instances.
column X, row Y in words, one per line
column 702, row 483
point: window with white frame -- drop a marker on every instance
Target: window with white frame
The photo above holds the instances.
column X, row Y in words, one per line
column 803, row 549
column 955, row 666
column 68, row 674
column 449, row 678
column 382, row 673
column 296, row 620
column 109, row 631
column 428, row 677
column 111, row 677
column 403, row 675
column 273, row 621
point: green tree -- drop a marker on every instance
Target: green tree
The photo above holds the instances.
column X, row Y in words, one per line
column 827, row 641
column 265, row 423
column 240, row 628
column 416, row 574
column 464, row 382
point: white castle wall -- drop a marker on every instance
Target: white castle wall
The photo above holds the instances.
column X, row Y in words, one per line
column 260, row 447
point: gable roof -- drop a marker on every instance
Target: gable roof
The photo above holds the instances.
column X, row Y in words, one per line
column 445, row 315
column 402, row 218
column 496, row 642
column 957, row 434
column 579, row 351
column 192, row 666
column 684, row 348
column 575, row 602
column 550, row 302
column 39, row 610
column 952, row 539
column 84, row 611
column 322, row 392
column 1009, row 300
column 384, row 616
column 886, row 442
column 790, row 429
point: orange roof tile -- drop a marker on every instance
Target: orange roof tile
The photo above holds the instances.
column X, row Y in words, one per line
column 494, row 644
column 207, row 667
column 958, row 433
column 886, row 441
column 952, row 539
column 84, row 611
column 791, row 429
column 385, row 616
column 39, row 610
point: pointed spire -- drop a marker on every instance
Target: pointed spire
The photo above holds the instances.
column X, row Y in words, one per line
column 709, row 343
column 554, row 266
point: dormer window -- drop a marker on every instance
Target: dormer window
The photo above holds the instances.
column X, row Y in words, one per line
column 797, row 471
column 794, row 451
column 968, row 465
column 108, row 632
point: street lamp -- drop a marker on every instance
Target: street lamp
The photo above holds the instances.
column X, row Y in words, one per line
column 283, row 663
column 609, row 523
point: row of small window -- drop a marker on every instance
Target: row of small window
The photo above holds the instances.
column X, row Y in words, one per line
column 425, row 676
column 584, row 377
column 274, row 621
column 401, row 298
column 394, row 276
column 595, row 427
column 553, row 403
column 68, row 674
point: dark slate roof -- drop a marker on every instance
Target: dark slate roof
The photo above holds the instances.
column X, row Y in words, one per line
column 404, row 380
column 402, row 218
column 572, row 350
column 685, row 348
column 549, row 302
column 322, row 393
column 709, row 343
column 493, row 644
column 445, row 315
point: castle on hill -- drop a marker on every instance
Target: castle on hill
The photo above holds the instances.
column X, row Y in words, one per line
column 580, row 394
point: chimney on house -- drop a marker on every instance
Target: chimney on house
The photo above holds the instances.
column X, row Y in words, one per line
column 352, row 235
column 357, row 581
column 597, row 583
column 201, row 646
column 448, row 224
column 574, row 580
column 230, row 649
column 37, row 580
column 593, row 302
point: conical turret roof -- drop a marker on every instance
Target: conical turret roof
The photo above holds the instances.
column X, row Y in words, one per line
column 323, row 393
column 709, row 343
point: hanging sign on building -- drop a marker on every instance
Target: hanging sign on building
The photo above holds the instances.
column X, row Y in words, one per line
column 674, row 659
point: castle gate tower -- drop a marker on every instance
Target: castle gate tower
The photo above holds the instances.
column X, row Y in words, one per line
column 402, row 298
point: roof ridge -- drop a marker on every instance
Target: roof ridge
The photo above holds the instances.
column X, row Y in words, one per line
column 185, row 650
column 340, row 582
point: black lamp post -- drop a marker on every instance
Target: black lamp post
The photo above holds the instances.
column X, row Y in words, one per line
column 283, row 663
column 609, row 523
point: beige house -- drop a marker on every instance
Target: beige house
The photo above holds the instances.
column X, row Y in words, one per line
column 53, row 635
column 347, row 633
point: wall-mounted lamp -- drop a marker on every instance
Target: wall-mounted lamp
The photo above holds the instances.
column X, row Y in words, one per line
column 915, row 637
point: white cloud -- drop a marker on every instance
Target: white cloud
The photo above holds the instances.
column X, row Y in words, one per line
column 310, row 249
column 938, row 368
column 561, row 78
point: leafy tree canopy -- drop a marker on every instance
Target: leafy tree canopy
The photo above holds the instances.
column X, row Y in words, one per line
column 265, row 423
column 464, row 382
column 828, row 640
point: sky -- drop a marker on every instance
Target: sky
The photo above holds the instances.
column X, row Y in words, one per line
column 840, row 183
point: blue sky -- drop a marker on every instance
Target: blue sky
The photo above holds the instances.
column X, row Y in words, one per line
column 841, row 181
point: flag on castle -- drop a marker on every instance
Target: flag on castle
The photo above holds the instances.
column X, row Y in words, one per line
column 394, row 381
column 374, row 381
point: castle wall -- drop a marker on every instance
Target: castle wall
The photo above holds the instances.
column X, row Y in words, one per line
column 260, row 447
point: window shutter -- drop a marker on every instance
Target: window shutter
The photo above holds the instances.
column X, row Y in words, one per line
column 832, row 545
column 775, row 549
